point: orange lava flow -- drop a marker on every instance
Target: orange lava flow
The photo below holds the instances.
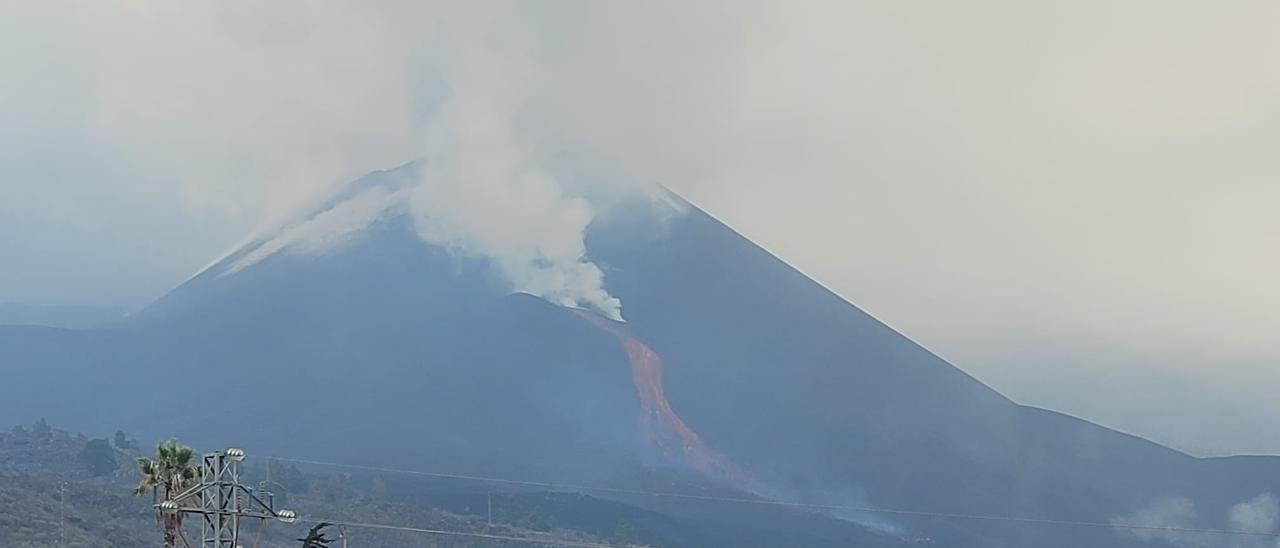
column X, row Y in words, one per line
column 659, row 421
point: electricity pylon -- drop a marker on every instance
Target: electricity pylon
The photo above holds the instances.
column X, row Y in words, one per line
column 222, row 502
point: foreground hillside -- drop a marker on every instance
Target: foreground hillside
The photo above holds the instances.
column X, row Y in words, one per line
column 58, row 489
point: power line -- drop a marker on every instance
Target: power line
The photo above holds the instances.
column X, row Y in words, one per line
column 766, row 502
column 444, row 532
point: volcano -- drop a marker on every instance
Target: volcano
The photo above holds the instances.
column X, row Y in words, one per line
column 734, row 376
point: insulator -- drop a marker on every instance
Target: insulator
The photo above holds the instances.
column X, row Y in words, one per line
column 168, row 506
column 287, row 516
column 236, row 454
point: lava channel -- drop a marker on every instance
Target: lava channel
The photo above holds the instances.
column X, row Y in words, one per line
column 660, row 423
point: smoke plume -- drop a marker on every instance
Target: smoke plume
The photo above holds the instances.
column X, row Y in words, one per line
column 1162, row 519
column 487, row 188
column 486, row 192
column 1260, row 514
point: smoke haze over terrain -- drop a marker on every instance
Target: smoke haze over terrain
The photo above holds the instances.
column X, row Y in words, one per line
column 1073, row 202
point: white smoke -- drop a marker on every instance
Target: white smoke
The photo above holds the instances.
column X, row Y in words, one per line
column 483, row 193
column 1168, row 519
column 482, row 96
column 1260, row 514
column 1155, row 521
column 506, row 210
column 486, row 192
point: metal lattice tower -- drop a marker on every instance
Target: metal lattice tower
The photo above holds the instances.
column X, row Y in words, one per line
column 222, row 502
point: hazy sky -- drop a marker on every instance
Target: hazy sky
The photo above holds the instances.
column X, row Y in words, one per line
column 1078, row 202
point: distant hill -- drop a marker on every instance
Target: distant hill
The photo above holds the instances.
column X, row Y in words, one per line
column 734, row 376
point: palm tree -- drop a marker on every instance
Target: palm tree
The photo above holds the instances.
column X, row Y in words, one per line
column 168, row 474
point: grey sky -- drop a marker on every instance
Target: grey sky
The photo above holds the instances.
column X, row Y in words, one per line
column 1075, row 201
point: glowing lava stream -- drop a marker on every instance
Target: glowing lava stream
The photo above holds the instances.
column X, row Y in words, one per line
column 663, row 426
